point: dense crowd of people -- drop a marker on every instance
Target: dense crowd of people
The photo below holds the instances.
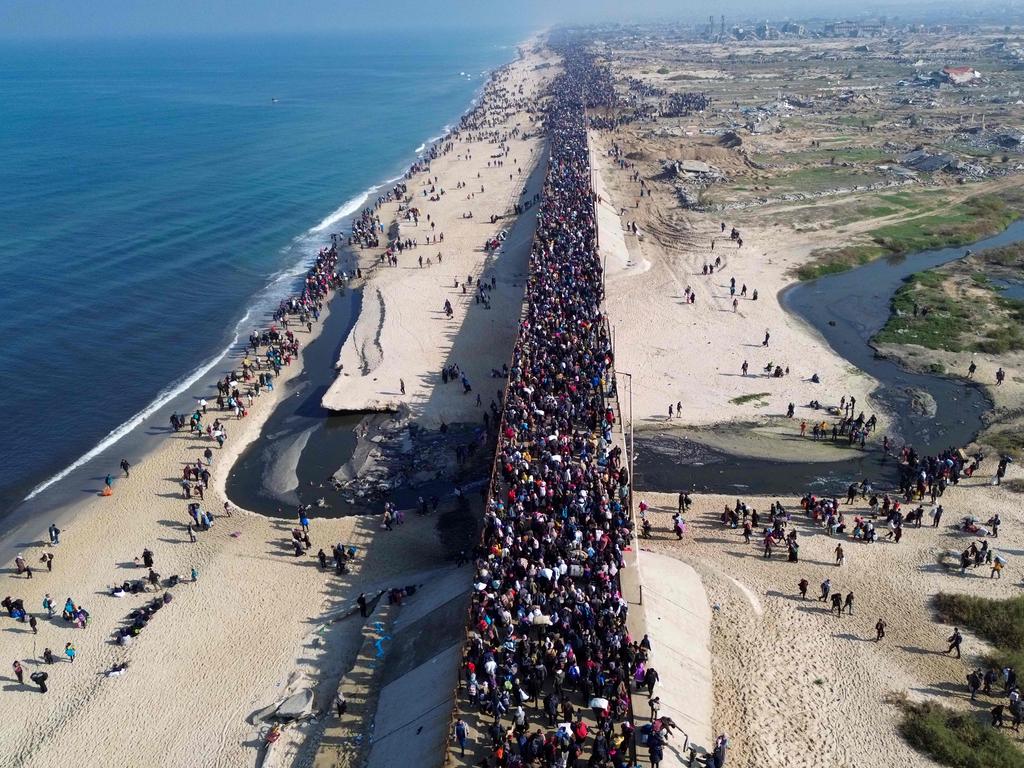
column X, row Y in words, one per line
column 683, row 104
column 548, row 619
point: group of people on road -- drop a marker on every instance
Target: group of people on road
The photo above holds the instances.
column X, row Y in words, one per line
column 548, row 617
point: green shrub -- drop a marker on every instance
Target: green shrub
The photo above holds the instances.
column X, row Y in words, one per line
column 957, row 738
column 1000, row 622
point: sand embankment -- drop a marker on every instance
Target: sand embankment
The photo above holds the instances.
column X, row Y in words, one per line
column 402, row 335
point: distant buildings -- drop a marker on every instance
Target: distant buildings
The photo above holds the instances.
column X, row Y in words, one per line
column 853, row 29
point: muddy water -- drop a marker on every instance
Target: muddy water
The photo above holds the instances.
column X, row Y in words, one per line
column 847, row 309
column 301, row 444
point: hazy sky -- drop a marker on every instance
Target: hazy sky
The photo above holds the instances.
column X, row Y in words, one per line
column 118, row 18
column 172, row 17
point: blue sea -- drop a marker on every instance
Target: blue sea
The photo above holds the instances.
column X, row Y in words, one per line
column 157, row 196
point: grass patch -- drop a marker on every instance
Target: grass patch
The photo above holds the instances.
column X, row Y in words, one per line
column 1004, row 255
column 946, row 320
column 999, row 622
column 942, row 309
column 1009, row 441
column 749, row 398
column 876, row 211
column 961, row 738
column 1004, row 338
column 972, row 220
column 838, row 260
column 957, row 738
column 823, row 178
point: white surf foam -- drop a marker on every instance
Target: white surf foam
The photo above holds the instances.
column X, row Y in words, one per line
column 347, row 209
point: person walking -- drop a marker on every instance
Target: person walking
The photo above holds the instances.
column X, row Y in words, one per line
column 461, row 734
column 802, row 586
column 361, row 600
column 19, row 672
column 997, row 569
column 656, row 749
column 997, row 715
column 954, row 641
column 879, row 630
column 341, row 703
column 837, row 604
column 826, row 587
column 848, row 603
column 655, row 705
column 974, row 683
column 840, row 556
column 651, row 678
column 125, row 466
column 69, row 651
column 990, row 677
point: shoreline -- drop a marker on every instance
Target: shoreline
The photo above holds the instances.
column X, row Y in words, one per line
column 262, row 618
column 279, row 284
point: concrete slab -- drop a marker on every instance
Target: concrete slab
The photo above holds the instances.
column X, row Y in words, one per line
column 417, row 642
column 404, row 676
column 414, row 714
column 678, row 620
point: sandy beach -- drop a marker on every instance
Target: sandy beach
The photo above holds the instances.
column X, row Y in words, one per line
column 257, row 623
column 395, row 339
column 794, row 682
column 698, row 363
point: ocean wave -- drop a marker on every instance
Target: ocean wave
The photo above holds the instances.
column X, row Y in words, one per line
column 348, row 208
